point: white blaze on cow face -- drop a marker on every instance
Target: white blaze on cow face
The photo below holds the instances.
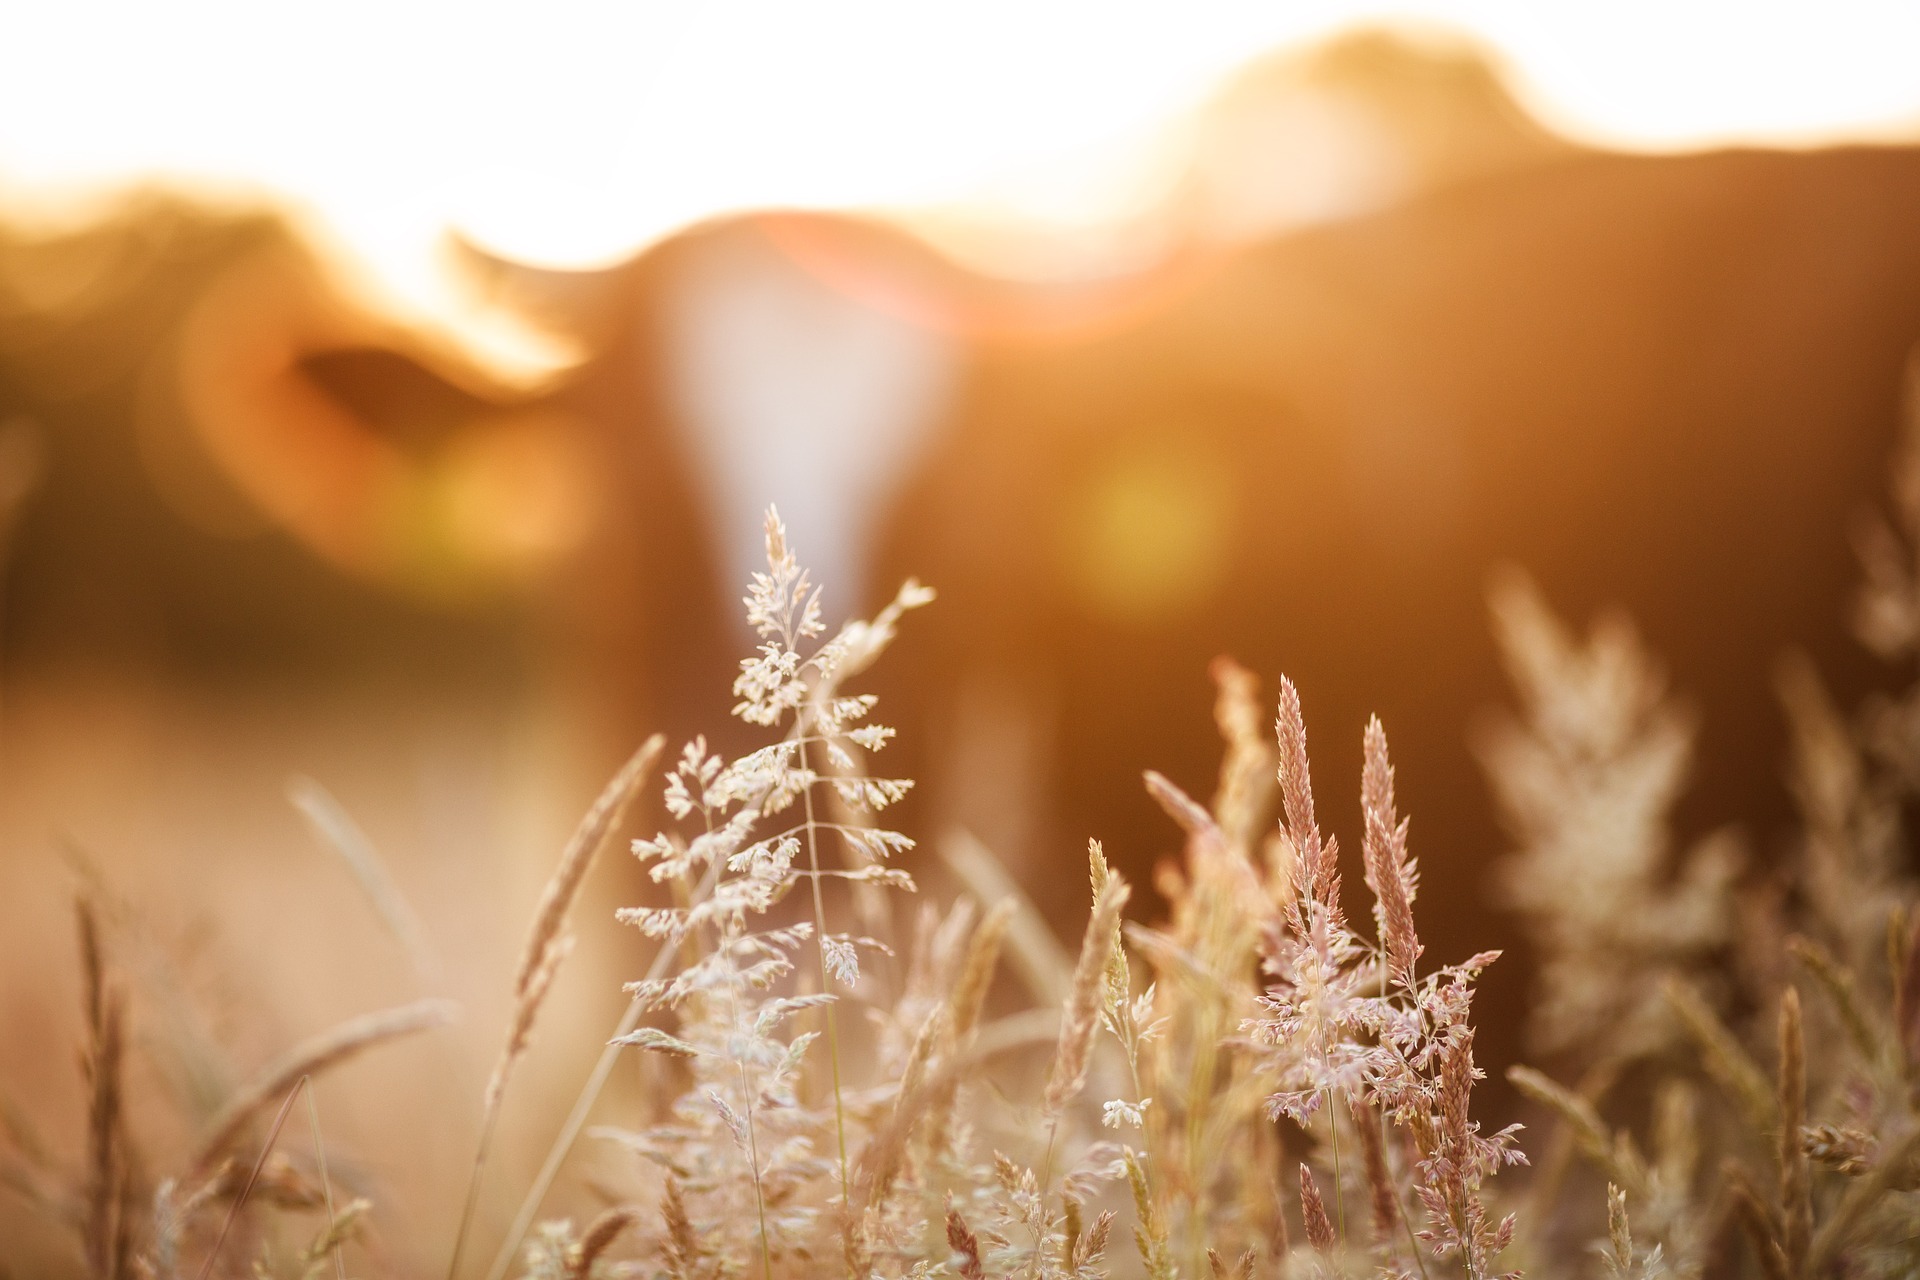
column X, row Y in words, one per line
column 791, row 392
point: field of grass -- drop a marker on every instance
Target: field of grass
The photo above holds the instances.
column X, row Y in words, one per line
column 1269, row 1080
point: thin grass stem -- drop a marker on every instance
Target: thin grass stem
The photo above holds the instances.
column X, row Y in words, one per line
column 266, row 1149
column 826, row 985
column 326, row 1182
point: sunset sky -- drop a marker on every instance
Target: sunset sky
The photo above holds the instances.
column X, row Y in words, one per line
column 571, row 133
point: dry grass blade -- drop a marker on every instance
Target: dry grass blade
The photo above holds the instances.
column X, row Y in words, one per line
column 337, row 830
column 1906, row 999
column 1183, row 809
column 1036, row 954
column 323, row 1052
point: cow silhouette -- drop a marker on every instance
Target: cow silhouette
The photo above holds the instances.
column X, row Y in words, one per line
column 1665, row 385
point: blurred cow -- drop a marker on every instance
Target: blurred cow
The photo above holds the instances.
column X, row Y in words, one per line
column 1662, row 384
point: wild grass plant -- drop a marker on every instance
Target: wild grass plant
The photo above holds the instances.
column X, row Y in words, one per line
column 1253, row 1085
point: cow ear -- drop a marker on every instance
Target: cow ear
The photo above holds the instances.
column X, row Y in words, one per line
column 386, row 452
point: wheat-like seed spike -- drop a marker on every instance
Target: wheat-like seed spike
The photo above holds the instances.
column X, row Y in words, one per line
column 1619, row 1232
column 322, row 1052
column 336, row 1234
column 1383, row 1201
column 106, row 1225
column 1296, row 793
column 594, row 1241
column 1097, row 1236
column 1590, row 1134
column 887, row 1149
column 1034, row 952
column 964, row 1004
column 1456, row 1090
column 525, row 1010
column 1245, row 789
column 1313, row 1211
column 544, row 951
column 1150, row 1229
column 1390, row 872
column 1906, row 1007
column 1839, row 985
column 1069, row 1073
column 976, row 974
column 1796, row 1179
column 107, row 1165
column 682, row 1247
column 555, row 901
column 962, row 1241
column 1724, row 1057
column 92, row 966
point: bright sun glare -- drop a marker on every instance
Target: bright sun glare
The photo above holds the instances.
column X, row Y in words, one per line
column 572, row 133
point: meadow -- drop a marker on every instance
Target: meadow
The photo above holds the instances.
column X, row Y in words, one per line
column 1272, row 1078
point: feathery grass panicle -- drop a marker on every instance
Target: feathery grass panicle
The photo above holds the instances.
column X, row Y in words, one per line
column 1586, row 778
